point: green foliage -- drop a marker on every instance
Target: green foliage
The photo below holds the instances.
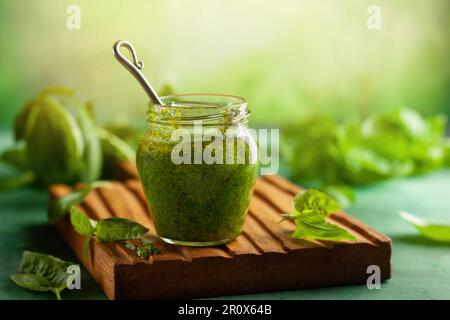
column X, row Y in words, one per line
column 60, row 140
column 395, row 143
column 310, row 209
column 41, row 272
column 436, row 231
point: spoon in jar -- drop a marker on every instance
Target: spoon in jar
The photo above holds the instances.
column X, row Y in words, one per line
column 135, row 68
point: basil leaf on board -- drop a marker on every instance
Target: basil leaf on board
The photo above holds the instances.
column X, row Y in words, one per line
column 312, row 226
column 118, row 229
column 35, row 267
column 15, row 182
column 310, row 210
column 84, row 226
column 81, row 223
column 436, row 231
column 61, row 206
column 316, row 201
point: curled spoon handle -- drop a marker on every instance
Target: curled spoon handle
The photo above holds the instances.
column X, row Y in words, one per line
column 135, row 68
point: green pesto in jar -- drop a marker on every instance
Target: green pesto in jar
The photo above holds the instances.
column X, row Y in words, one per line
column 194, row 203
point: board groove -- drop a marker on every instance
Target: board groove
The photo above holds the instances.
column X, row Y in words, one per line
column 263, row 257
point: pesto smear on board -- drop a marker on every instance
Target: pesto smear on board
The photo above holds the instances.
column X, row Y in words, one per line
column 194, row 202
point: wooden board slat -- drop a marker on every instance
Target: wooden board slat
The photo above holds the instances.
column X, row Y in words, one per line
column 262, row 258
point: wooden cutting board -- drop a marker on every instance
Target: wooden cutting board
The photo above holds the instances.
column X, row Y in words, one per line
column 262, row 258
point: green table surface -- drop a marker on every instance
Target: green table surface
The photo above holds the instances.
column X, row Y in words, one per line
column 420, row 268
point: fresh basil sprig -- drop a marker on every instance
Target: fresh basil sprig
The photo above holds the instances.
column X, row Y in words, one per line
column 436, row 231
column 41, row 272
column 310, row 209
column 106, row 230
column 61, row 206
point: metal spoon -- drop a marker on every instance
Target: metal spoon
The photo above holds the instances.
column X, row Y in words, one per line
column 135, row 68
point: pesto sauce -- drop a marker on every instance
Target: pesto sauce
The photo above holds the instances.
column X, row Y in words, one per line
column 193, row 202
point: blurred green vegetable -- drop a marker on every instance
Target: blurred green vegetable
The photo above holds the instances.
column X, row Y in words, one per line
column 398, row 142
column 114, row 150
column 60, row 139
column 15, row 156
column 59, row 142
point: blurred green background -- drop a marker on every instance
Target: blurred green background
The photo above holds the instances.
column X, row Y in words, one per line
column 288, row 58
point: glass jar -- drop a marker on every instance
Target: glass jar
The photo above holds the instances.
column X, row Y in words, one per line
column 197, row 161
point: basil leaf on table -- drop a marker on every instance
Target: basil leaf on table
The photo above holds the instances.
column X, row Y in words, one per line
column 61, row 206
column 310, row 210
column 41, row 272
column 436, row 231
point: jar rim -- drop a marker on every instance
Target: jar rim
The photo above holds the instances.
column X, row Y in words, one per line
column 214, row 108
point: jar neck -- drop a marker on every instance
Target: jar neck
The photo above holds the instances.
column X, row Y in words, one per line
column 199, row 109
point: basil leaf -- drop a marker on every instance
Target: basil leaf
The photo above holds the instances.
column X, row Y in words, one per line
column 35, row 267
column 118, row 229
column 310, row 209
column 82, row 224
column 316, row 201
column 18, row 181
column 312, row 226
column 436, row 231
column 61, row 206
column 33, row 282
